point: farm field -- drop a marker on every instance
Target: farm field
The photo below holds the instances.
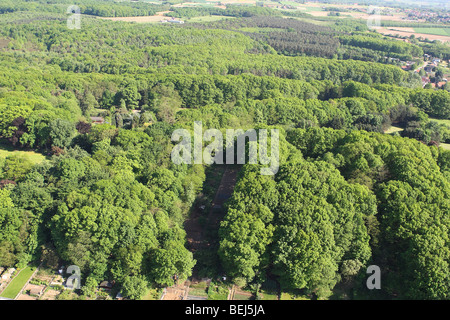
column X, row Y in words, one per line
column 320, row 10
column 141, row 19
column 208, row 18
column 407, row 32
column 235, row 1
column 17, row 283
column 309, row 9
column 308, row 20
column 434, row 31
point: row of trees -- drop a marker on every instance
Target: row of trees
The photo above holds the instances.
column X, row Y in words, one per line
column 231, row 11
column 379, row 44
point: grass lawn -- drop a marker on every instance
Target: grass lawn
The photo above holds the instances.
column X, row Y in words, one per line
column 289, row 296
column 198, row 289
column 198, row 292
column 445, row 146
column 268, row 295
column 34, row 157
column 393, row 129
column 238, row 296
column 309, row 9
column 435, row 31
column 199, row 285
column 441, row 121
column 17, row 283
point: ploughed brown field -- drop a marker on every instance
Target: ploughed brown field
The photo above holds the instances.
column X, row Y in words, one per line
column 406, row 32
column 155, row 18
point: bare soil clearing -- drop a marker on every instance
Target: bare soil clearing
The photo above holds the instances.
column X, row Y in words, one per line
column 143, row 19
column 407, row 32
column 177, row 292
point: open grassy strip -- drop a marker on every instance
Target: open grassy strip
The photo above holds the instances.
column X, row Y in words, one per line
column 290, row 296
column 34, row 157
column 441, row 121
column 393, row 129
column 17, row 283
column 238, row 296
column 268, row 295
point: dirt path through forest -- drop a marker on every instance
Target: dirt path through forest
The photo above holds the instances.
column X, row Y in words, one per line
column 224, row 192
column 198, row 235
column 202, row 228
column 195, row 233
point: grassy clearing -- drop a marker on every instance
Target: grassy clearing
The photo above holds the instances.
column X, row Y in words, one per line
column 199, row 289
column 393, row 129
column 198, row 292
column 445, row 146
column 290, row 296
column 434, row 31
column 199, row 285
column 441, row 121
column 34, row 157
column 17, row 283
column 268, row 295
column 238, row 296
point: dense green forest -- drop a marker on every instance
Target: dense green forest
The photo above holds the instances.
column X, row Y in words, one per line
column 353, row 198
column 101, row 8
column 109, row 199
